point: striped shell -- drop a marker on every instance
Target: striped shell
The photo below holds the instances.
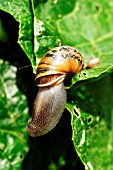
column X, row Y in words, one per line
column 51, row 99
column 56, row 64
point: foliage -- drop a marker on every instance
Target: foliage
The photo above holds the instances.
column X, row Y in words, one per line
column 86, row 25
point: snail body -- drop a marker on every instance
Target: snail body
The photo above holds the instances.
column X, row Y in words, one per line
column 51, row 99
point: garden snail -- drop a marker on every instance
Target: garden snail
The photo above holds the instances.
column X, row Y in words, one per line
column 51, row 99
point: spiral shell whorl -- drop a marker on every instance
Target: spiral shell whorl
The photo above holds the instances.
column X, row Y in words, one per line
column 59, row 61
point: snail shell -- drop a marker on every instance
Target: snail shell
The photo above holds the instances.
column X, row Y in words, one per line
column 51, row 98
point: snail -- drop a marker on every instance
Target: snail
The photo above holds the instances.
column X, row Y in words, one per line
column 50, row 101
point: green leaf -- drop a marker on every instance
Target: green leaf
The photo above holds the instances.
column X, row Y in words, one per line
column 13, row 118
column 22, row 12
column 92, row 120
column 86, row 25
